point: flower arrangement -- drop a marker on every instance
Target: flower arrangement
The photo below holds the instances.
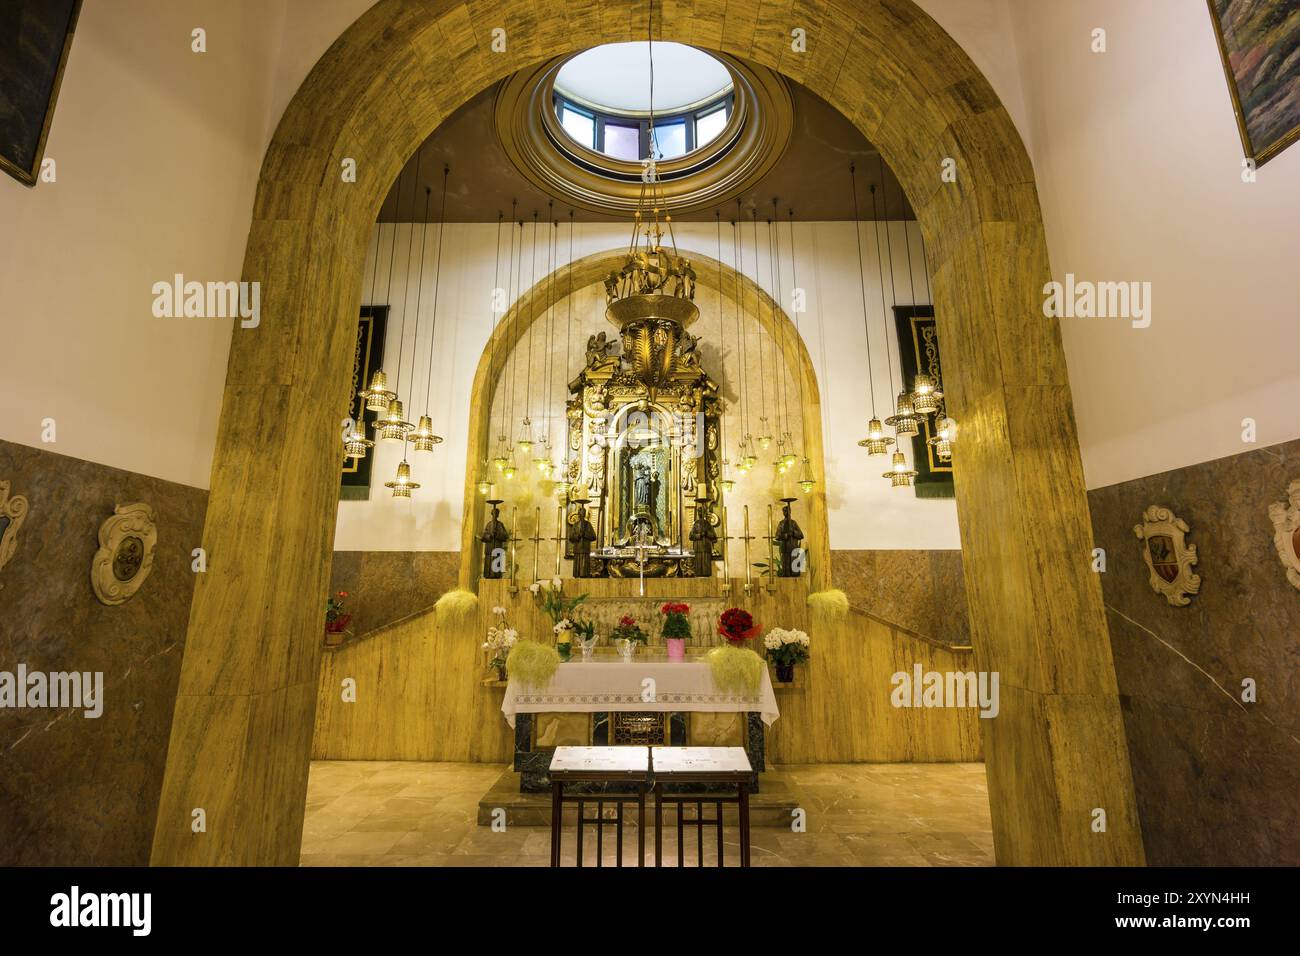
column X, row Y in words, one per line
column 550, row 598
column 676, row 624
column 737, row 625
column 628, row 630
column 336, row 619
column 501, row 637
column 785, row 648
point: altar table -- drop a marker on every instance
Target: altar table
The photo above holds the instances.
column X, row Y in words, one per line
column 605, row 684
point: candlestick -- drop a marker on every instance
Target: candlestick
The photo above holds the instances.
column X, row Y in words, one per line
column 771, row 552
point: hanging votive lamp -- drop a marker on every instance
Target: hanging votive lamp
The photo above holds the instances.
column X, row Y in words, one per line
column 904, row 421
column 393, row 426
column 378, row 395
column 402, row 485
column 423, row 437
column 500, row 461
column 806, row 482
column 508, row 472
column 900, row 475
column 782, row 465
column 925, row 395
column 484, row 487
column 355, row 442
column 748, row 458
column 876, row 442
column 525, row 442
column 789, row 458
column 765, row 439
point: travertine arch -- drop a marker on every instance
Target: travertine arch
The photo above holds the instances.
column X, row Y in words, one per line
column 569, row 279
column 242, row 728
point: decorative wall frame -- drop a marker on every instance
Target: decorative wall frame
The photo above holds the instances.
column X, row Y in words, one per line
column 12, row 512
column 1286, row 532
column 1168, row 556
column 1258, row 40
column 34, row 49
column 127, row 542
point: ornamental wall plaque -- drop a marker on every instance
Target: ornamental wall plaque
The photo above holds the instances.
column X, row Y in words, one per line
column 1168, row 556
column 1286, row 528
column 12, row 512
column 127, row 542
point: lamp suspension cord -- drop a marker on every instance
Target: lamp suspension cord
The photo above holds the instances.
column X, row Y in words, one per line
column 722, row 328
column 798, row 332
column 437, row 282
column 758, row 311
column 419, row 288
column 774, row 246
column 532, row 291
column 507, row 351
column 492, row 335
column 862, row 283
column 406, row 284
column 893, row 295
column 550, row 324
column 742, row 334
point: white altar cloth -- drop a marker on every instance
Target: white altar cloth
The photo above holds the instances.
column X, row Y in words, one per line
column 611, row 685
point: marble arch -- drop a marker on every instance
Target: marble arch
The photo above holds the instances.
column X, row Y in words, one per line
column 242, row 726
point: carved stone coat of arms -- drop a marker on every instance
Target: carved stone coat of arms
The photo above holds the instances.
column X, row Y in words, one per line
column 1285, row 516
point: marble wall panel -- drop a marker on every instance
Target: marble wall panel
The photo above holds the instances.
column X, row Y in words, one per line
column 78, row 790
column 385, row 586
column 920, row 590
column 1215, row 777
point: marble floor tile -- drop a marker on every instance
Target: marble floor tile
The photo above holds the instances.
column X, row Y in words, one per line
column 395, row 813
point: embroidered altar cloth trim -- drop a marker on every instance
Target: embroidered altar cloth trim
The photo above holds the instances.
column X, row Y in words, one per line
column 599, row 686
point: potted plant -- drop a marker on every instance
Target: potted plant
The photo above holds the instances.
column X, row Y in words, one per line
column 785, row 648
column 628, row 631
column 563, row 630
column 336, row 619
column 500, row 638
column 737, row 626
column 677, row 628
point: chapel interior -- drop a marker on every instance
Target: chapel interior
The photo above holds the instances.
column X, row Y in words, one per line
column 418, row 413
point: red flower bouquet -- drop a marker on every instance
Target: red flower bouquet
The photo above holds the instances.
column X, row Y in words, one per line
column 737, row 625
column 676, row 624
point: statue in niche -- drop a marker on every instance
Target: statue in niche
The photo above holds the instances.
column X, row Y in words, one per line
column 581, row 537
column 494, row 538
column 642, row 486
column 788, row 536
column 703, row 538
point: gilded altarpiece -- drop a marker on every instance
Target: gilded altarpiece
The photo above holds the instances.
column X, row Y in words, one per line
column 644, row 462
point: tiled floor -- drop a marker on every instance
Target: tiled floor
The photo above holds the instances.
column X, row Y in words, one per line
column 423, row 814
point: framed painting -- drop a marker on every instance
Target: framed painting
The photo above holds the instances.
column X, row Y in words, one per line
column 1259, row 42
column 368, row 357
column 35, row 36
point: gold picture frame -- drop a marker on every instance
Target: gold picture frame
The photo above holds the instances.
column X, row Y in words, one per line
column 1258, row 153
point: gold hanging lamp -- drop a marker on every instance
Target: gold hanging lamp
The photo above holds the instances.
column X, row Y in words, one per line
column 393, row 426
column 900, row 475
column 904, row 421
column 402, row 485
column 355, row 443
column 876, row 442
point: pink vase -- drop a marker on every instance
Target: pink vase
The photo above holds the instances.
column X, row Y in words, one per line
column 676, row 648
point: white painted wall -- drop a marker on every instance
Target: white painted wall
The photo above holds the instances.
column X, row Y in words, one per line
column 1136, row 153
column 1138, row 162
column 864, row 511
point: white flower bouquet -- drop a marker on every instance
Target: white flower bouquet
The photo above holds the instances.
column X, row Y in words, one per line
column 786, row 648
